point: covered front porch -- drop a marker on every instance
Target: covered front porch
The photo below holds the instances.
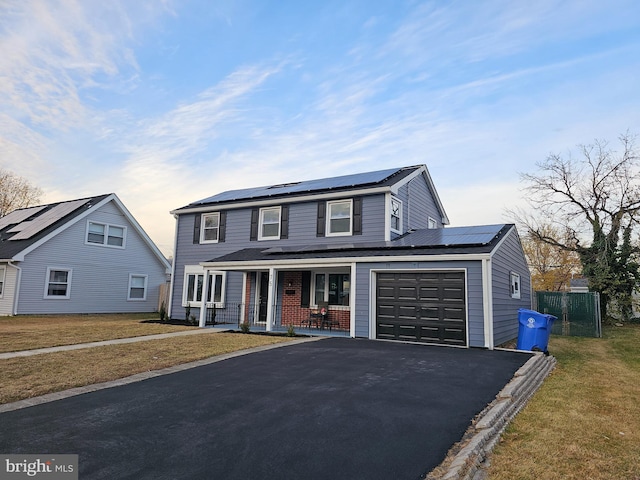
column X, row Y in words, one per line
column 313, row 301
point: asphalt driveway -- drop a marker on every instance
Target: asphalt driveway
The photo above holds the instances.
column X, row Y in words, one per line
column 331, row 409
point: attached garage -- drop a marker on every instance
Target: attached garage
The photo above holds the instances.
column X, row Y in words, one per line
column 425, row 306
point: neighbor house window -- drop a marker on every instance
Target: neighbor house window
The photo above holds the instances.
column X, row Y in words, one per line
column 58, row 284
column 432, row 223
column 137, row 287
column 332, row 288
column 194, row 286
column 339, row 217
column 396, row 215
column 210, row 231
column 106, row 234
column 515, row 285
column 2, row 272
column 269, row 228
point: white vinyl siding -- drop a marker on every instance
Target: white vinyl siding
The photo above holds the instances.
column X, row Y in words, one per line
column 106, row 235
column 137, row 287
column 58, row 283
column 210, row 231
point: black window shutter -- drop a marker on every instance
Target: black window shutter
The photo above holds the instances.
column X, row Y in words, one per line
column 196, row 228
column 284, row 221
column 322, row 213
column 357, row 216
column 253, row 234
column 305, row 293
column 222, row 227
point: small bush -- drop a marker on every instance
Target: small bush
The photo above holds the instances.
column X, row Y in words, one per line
column 163, row 312
column 245, row 327
column 291, row 331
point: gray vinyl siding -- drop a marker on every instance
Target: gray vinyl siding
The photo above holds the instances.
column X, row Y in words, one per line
column 418, row 205
column 100, row 275
column 508, row 258
column 8, row 290
column 302, row 231
column 475, row 310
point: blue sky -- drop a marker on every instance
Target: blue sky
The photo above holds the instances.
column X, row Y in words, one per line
column 166, row 102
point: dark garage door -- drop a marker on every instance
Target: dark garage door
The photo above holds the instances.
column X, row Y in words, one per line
column 424, row 307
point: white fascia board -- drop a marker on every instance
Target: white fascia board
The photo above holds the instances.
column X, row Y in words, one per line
column 418, row 171
column 436, row 197
column 281, row 201
column 139, row 229
column 341, row 261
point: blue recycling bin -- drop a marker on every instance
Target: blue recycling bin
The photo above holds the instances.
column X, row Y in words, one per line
column 534, row 331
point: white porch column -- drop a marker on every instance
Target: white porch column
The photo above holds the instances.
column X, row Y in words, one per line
column 352, row 302
column 271, row 298
column 487, row 302
column 205, row 294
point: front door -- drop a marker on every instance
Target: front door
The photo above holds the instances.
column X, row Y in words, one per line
column 263, row 296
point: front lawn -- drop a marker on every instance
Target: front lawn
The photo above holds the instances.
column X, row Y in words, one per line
column 584, row 422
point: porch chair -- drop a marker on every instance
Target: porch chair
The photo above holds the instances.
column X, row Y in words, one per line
column 329, row 322
column 317, row 315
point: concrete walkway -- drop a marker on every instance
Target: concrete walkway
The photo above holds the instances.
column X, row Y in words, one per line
column 117, row 341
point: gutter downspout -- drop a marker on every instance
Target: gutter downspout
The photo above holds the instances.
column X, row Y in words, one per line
column 487, row 301
column 17, row 290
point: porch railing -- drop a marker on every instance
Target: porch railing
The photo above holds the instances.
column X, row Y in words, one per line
column 234, row 314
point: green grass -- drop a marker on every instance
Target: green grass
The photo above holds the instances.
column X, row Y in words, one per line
column 584, row 422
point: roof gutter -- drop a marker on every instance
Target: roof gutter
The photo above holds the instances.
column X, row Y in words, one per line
column 233, row 204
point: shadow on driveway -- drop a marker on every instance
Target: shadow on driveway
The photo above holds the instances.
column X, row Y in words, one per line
column 330, row 409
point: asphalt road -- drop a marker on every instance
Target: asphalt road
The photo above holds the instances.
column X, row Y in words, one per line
column 331, row 409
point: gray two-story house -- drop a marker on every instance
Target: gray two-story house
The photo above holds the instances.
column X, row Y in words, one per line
column 364, row 255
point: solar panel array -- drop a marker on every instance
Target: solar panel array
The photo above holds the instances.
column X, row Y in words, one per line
column 18, row 216
column 29, row 229
column 451, row 236
column 301, row 187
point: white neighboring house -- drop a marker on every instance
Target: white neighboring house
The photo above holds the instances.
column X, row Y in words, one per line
column 80, row 256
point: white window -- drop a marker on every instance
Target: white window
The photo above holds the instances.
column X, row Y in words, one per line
column 58, row 283
column 339, row 218
column 396, row 215
column 210, row 231
column 515, row 285
column 333, row 288
column 269, row 228
column 194, row 283
column 137, row 287
column 432, row 223
column 106, row 235
column 2, row 273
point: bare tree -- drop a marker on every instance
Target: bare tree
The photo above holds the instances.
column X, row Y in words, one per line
column 16, row 192
column 593, row 203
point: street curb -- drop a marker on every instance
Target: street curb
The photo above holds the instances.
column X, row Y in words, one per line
column 138, row 377
column 483, row 435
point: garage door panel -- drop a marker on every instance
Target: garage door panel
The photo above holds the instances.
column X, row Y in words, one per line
column 422, row 306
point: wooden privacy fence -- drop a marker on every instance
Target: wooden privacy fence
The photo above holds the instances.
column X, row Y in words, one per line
column 578, row 313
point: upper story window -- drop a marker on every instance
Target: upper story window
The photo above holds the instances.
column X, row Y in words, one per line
column 339, row 217
column 396, row 215
column 433, row 223
column 106, row 235
column 210, row 231
column 58, row 283
column 515, row 285
column 269, row 228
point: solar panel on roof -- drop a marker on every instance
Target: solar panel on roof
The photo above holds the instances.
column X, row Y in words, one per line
column 18, row 216
column 301, row 187
column 46, row 219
